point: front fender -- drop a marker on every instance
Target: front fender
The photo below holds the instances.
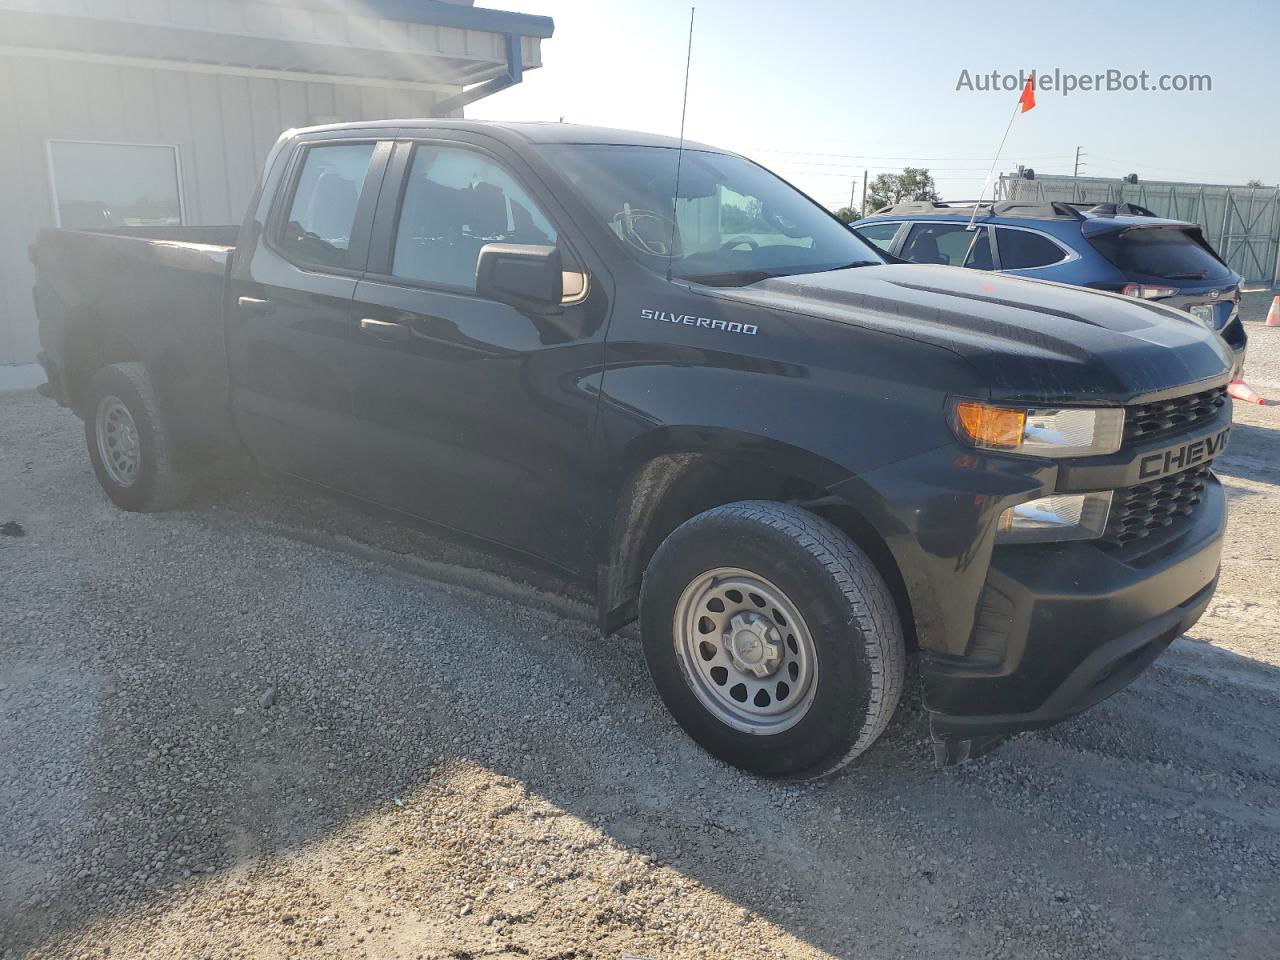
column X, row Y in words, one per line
column 937, row 513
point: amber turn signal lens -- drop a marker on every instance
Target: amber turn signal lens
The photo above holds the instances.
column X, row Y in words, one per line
column 987, row 426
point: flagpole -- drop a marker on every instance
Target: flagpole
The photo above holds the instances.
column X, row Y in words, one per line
column 1000, row 149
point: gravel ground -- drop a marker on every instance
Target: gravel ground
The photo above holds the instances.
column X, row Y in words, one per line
column 269, row 726
column 1254, row 305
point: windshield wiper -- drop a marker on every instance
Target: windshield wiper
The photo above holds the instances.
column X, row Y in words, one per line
column 740, row 278
column 856, row 263
column 734, row 278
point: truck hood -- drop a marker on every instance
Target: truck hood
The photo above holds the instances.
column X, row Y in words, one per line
column 1027, row 339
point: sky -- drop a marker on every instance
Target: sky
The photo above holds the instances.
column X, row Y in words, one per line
column 821, row 90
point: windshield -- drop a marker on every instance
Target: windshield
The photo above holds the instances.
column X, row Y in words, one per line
column 735, row 222
column 1170, row 253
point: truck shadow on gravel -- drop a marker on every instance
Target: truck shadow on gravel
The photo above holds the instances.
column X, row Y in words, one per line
column 1253, row 454
column 286, row 703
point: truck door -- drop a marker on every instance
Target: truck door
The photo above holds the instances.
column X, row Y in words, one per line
column 471, row 413
column 289, row 324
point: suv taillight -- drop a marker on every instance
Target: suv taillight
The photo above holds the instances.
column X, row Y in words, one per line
column 1145, row 291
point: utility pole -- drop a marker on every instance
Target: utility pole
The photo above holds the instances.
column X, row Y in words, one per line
column 864, row 196
column 853, row 193
column 1075, row 177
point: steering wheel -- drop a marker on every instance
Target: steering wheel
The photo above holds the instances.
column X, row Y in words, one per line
column 739, row 241
column 648, row 232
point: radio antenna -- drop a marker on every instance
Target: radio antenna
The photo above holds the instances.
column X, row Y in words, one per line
column 684, row 109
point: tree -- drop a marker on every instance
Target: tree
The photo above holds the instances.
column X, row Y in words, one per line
column 913, row 183
column 748, row 218
column 848, row 214
column 1255, row 182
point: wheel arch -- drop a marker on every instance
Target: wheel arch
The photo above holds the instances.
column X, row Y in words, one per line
column 94, row 346
column 675, row 474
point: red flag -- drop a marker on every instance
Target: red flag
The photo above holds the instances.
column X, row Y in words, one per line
column 1028, row 98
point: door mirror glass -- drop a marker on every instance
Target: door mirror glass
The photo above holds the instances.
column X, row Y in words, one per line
column 524, row 276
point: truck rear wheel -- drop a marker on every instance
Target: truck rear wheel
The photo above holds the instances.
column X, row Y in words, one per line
column 772, row 639
column 129, row 442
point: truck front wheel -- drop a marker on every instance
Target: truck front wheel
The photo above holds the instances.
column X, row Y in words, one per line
column 129, row 442
column 772, row 638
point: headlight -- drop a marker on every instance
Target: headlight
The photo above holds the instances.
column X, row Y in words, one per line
column 1039, row 431
column 1073, row 516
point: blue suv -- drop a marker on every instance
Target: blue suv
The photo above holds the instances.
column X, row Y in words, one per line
column 1122, row 248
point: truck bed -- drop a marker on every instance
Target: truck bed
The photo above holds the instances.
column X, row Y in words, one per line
column 154, row 294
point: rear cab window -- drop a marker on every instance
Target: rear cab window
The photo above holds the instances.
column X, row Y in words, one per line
column 1169, row 253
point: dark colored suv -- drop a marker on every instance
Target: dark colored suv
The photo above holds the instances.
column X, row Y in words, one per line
column 1122, row 247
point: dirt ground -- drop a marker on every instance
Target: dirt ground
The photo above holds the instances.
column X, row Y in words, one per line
column 268, row 726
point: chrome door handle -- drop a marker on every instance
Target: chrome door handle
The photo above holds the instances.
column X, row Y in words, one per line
column 255, row 305
column 384, row 329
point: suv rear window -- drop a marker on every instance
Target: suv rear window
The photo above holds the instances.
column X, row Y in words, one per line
column 1170, row 253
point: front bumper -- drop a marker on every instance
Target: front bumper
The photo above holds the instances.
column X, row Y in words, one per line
column 1062, row 627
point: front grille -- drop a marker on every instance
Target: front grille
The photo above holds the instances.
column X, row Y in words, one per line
column 1150, row 421
column 1141, row 510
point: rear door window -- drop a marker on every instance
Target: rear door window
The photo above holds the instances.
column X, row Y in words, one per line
column 1025, row 250
column 879, row 235
column 322, row 215
column 1169, row 253
column 952, row 244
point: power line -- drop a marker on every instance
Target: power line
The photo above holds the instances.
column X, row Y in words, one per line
column 1130, row 166
column 904, row 156
column 860, row 166
column 846, row 174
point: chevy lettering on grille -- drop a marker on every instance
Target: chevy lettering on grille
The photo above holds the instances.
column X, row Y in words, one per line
column 1180, row 458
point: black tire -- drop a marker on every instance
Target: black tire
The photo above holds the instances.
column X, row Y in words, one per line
column 157, row 483
column 845, row 604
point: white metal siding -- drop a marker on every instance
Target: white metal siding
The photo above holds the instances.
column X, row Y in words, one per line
column 267, row 20
column 223, row 125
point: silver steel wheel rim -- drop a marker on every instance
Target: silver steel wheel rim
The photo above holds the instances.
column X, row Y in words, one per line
column 746, row 651
column 117, row 436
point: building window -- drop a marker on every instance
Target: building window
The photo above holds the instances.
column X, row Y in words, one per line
column 97, row 185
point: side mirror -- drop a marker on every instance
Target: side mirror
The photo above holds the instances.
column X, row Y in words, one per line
column 524, row 276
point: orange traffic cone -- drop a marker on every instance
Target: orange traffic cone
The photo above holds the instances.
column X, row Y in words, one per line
column 1242, row 391
column 1273, row 315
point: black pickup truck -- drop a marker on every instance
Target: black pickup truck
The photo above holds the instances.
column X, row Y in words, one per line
column 794, row 462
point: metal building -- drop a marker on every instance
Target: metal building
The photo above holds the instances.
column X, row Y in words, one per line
column 1241, row 222
column 162, row 111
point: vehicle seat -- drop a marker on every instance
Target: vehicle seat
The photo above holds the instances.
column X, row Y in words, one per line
column 923, row 248
column 430, row 244
column 332, row 209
